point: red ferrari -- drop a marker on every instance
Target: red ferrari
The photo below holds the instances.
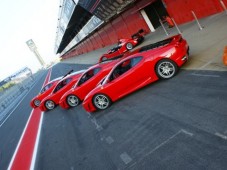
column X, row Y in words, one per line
column 160, row 60
column 123, row 46
column 50, row 102
column 86, row 83
column 45, row 91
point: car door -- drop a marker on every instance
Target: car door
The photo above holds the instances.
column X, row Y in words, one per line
column 126, row 77
column 61, row 88
column 87, row 82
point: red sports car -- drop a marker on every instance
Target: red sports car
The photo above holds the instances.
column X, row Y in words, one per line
column 123, row 46
column 50, row 102
column 86, row 83
column 45, row 91
column 146, row 65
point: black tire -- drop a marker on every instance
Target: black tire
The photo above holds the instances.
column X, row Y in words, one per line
column 72, row 100
column 50, row 105
column 36, row 102
column 101, row 101
column 129, row 46
column 166, row 69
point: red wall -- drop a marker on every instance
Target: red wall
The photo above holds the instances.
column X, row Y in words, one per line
column 123, row 26
column 180, row 10
column 131, row 21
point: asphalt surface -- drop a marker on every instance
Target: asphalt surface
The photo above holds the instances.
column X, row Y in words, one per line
column 12, row 128
column 175, row 124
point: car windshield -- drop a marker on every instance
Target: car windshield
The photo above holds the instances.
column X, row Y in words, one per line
column 45, row 88
column 124, row 67
column 62, row 84
column 86, row 76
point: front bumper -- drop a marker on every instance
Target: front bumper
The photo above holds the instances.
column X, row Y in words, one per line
column 88, row 106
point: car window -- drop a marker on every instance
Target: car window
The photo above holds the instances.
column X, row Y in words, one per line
column 89, row 74
column 45, row 88
column 124, row 67
column 62, row 84
column 135, row 61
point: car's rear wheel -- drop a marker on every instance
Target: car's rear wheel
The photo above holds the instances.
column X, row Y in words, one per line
column 36, row 102
column 101, row 101
column 73, row 100
column 129, row 46
column 166, row 69
column 50, row 105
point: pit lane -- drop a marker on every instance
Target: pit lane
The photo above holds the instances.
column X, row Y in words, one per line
column 169, row 124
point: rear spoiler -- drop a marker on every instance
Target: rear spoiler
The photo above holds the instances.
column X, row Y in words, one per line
column 67, row 73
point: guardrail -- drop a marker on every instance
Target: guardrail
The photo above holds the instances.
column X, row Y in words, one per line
column 11, row 94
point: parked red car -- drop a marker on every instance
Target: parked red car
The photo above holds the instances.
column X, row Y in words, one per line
column 44, row 92
column 86, row 83
column 123, row 46
column 146, row 65
column 50, row 102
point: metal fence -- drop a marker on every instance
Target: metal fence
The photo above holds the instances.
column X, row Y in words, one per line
column 9, row 95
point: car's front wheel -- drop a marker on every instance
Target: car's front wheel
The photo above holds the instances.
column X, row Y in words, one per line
column 73, row 100
column 50, row 105
column 166, row 69
column 129, row 46
column 36, row 102
column 101, row 101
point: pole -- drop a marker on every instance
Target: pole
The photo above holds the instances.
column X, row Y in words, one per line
column 223, row 5
column 163, row 27
column 193, row 13
column 176, row 26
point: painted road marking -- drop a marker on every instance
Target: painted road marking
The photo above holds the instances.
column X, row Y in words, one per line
column 125, row 158
column 26, row 150
column 98, row 127
column 221, row 135
column 17, row 106
column 37, row 143
column 205, row 75
column 186, row 132
column 109, row 140
column 162, row 144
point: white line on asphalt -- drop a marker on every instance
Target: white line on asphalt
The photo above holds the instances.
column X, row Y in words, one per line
column 17, row 105
column 89, row 114
column 221, row 135
column 205, row 75
column 125, row 158
column 36, row 143
column 186, row 132
column 109, row 140
column 98, row 127
column 18, row 145
column 162, row 144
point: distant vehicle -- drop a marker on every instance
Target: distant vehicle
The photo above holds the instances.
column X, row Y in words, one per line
column 86, row 83
column 160, row 60
column 123, row 46
column 65, row 84
column 44, row 92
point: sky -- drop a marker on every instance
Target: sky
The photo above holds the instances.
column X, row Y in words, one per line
column 22, row 20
